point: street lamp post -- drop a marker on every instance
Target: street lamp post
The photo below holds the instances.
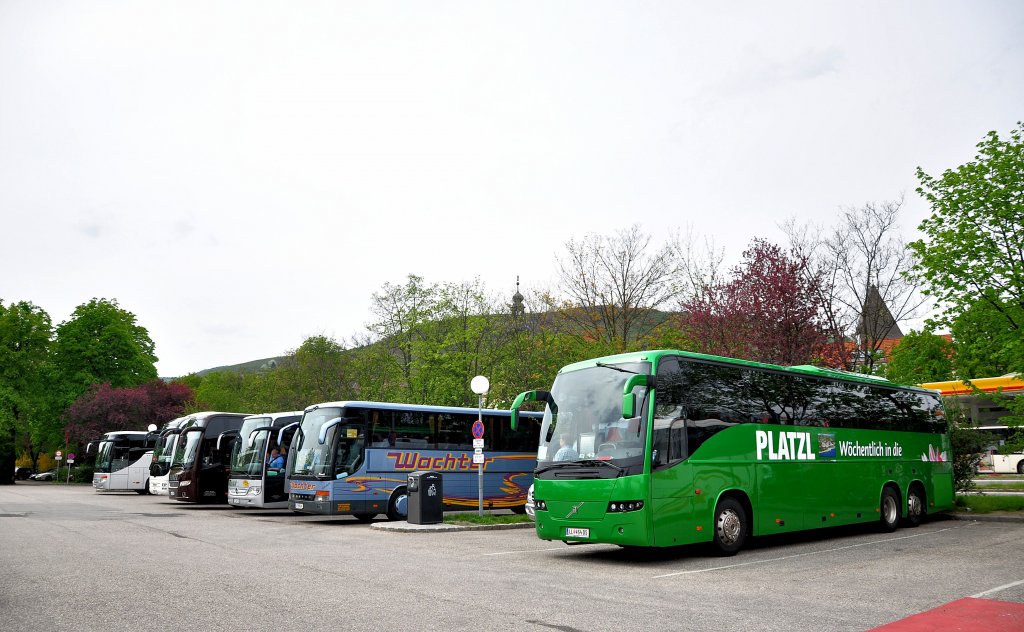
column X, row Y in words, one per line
column 480, row 385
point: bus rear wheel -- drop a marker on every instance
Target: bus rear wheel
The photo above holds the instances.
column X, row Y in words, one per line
column 889, row 510
column 730, row 526
column 365, row 517
column 398, row 504
column 915, row 506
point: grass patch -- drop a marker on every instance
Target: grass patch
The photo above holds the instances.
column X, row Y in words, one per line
column 472, row 518
column 1002, row 485
column 988, row 504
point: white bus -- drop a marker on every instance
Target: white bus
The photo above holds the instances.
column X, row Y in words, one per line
column 122, row 461
column 254, row 481
column 163, row 452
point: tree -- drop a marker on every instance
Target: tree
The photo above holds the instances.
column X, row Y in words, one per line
column 26, row 410
column 402, row 314
column 766, row 311
column 612, row 286
column 102, row 343
column 317, row 371
column 985, row 345
column 920, row 357
column 862, row 265
column 104, row 408
column 972, row 257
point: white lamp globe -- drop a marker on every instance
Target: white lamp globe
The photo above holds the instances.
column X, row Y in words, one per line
column 480, row 385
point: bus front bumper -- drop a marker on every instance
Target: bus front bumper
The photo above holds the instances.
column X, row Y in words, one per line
column 628, row 529
column 316, row 507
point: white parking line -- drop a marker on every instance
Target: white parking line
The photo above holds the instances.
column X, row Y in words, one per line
column 790, row 557
column 557, row 548
column 997, row 589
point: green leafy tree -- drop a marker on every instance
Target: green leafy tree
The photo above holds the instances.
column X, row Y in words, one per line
column 102, row 343
column 402, row 317
column 222, row 390
column 985, row 345
column 317, row 371
column 920, row 357
column 27, row 416
column 972, row 256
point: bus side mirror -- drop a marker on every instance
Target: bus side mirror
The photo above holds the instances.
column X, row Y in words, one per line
column 629, row 405
column 629, row 397
column 529, row 396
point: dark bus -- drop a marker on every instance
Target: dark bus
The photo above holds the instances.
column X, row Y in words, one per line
column 202, row 456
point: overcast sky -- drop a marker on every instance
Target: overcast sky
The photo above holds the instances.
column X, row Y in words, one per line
column 242, row 175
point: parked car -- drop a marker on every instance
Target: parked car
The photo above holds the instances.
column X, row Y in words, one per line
column 529, row 504
column 48, row 475
column 23, row 473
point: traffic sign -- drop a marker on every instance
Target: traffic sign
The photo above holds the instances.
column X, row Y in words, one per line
column 478, row 458
column 478, row 444
column 478, row 429
column 71, row 456
column 58, row 454
column 57, row 457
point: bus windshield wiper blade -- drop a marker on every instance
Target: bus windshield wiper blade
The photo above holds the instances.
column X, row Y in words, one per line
column 583, row 462
column 598, row 462
column 616, row 368
column 553, row 466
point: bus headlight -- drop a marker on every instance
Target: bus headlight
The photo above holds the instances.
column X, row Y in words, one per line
column 540, row 504
column 622, row 506
column 254, row 491
column 184, row 483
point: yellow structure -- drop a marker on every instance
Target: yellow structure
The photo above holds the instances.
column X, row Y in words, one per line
column 980, row 398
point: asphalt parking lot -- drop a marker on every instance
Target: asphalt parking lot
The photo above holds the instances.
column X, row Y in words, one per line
column 75, row 559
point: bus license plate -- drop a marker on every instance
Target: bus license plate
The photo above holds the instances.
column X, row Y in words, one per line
column 573, row 532
column 298, row 505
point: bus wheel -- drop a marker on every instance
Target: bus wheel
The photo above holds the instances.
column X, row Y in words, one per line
column 1020, row 466
column 518, row 509
column 398, row 505
column 730, row 526
column 889, row 510
column 365, row 517
column 915, row 506
column 144, row 490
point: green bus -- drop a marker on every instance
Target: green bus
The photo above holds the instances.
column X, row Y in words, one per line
column 665, row 448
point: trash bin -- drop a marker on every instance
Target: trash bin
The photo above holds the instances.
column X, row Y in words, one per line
column 426, row 498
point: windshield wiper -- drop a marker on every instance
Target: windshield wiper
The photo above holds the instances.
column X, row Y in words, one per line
column 584, row 462
column 598, row 462
column 616, row 368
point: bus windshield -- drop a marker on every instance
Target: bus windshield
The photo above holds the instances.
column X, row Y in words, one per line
column 163, row 448
column 103, row 453
column 311, row 457
column 341, row 451
column 188, row 448
column 586, row 422
column 246, row 459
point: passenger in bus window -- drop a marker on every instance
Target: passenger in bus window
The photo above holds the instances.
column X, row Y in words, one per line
column 276, row 459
